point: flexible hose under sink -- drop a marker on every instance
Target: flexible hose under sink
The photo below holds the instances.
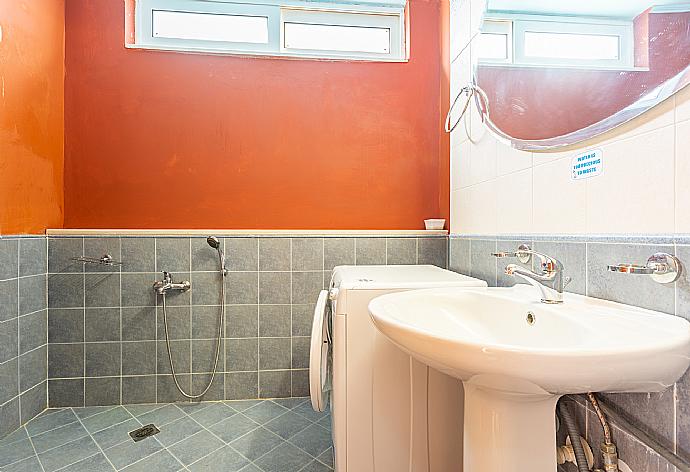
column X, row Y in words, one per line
column 574, row 433
column 219, row 340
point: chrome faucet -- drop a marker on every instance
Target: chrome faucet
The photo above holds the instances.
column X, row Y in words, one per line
column 549, row 280
column 161, row 287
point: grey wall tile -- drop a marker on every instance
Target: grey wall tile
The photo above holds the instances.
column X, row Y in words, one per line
column 33, row 331
column 401, row 251
column 178, row 320
column 9, row 417
column 482, row 264
column 241, row 354
column 300, row 383
column 274, row 254
column 33, row 257
column 631, row 289
column 241, row 385
column 34, row 401
column 242, row 254
column 103, row 359
column 181, row 356
column 204, row 257
column 9, row 250
column 65, row 325
column 65, row 392
column 274, row 353
column 173, row 254
column 167, row 392
column 307, row 253
column 302, row 316
column 683, row 284
column 241, row 321
column 683, row 416
column 204, row 355
column 99, row 247
column 274, row 384
column 138, row 323
column 274, row 288
column 9, row 380
column 138, row 254
column 102, row 324
column 242, row 288
column 33, row 368
column 9, row 346
column 65, row 290
column 503, row 280
column 432, row 251
column 139, row 358
column 300, row 352
column 274, row 320
column 32, row 294
column 140, row 389
column 459, row 257
column 102, row 391
column 102, row 290
column 573, row 256
column 65, row 360
column 370, row 251
column 61, row 251
column 338, row 251
column 306, row 286
column 8, row 299
column 206, row 288
column 205, row 321
column 137, row 289
column 215, row 392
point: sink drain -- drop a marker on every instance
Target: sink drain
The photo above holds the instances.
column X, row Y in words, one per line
column 144, row 432
column 530, row 318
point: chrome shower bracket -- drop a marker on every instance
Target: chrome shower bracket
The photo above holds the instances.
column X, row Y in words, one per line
column 661, row 267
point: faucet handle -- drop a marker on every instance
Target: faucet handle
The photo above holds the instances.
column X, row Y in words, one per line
column 167, row 276
column 523, row 253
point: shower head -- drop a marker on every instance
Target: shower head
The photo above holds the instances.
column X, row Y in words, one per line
column 213, row 242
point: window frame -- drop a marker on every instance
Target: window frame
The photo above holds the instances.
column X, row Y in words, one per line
column 278, row 13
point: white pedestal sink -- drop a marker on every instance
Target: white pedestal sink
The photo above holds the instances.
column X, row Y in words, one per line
column 517, row 356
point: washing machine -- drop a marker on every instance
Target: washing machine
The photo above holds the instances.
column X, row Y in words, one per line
column 390, row 413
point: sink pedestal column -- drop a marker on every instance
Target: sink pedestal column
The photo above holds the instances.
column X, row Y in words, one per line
column 509, row 432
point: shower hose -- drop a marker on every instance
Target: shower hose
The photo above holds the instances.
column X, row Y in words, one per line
column 221, row 321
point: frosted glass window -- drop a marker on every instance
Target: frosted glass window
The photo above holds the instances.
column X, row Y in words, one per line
column 493, row 46
column 337, row 38
column 571, row 46
column 210, row 27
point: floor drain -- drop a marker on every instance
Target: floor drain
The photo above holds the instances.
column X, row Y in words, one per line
column 144, row 432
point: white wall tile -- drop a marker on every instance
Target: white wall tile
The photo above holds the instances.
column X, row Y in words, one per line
column 682, row 174
column 510, row 160
column 460, row 214
column 460, row 166
column 683, row 105
column 514, row 202
column 482, row 208
column 559, row 201
column 635, row 193
column 483, row 159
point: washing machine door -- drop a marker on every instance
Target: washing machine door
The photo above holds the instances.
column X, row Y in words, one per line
column 320, row 354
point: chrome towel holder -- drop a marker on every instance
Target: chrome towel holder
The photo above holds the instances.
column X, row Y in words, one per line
column 661, row 267
column 105, row 259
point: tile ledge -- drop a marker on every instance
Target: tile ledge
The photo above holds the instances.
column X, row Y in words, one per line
column 241, row 232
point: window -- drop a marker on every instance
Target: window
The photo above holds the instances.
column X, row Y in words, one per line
column 531, row 40
column 308, row 29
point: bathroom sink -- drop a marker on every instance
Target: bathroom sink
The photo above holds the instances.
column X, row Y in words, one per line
column 517, row 356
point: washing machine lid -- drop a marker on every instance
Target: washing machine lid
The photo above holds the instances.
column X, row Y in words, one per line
column 381, row 277
column 320, row 354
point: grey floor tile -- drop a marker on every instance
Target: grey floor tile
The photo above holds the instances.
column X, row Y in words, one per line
column 242, row 405
column 161, row 416
column 195, row 447
column 256, row 443
column 284, row 458
column 178, row 430
column 96, row 463
column 15, row 436
column 192, row 407
column 290, row 403
column 316, row 466
column 91, row 411
column 29, row 464
column 265, row 411
column 15, row 452
column 288, row 424
column 327, row 457
column 160, row 461
column 106, row 419
column 222, row 460
column 68, row 454
column 315, row 440
column 138, row 410
column 308, row 412
column 49, row 421
column 58, row 437
column 213, row 414
column 325, row 422
column 232, row 428
column 250, row 468
column 116, row 434
column 130, row 452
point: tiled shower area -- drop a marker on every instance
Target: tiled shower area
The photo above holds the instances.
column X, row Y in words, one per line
column 87, row 342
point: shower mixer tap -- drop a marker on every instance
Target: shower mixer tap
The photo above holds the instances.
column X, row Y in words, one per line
column 161, row 287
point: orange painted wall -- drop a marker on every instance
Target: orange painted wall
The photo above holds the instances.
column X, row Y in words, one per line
column 31, row 115
column 169, row 140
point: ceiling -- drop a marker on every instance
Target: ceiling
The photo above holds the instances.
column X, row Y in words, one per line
column 623, row 9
